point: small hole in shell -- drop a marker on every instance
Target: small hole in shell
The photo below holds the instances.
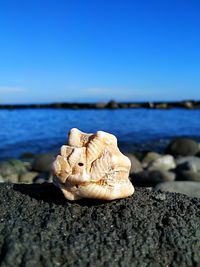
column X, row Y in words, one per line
column 80, row 164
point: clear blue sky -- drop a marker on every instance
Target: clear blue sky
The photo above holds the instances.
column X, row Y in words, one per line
column 97, row 50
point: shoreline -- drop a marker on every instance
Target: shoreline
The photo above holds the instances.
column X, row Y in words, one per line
column 176, row 168
column 187, row 104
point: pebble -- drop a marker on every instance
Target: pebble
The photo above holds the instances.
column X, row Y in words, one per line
column 6, row 169
column 1, row 179
column 150, row 157
column 135, row 163
column 151, row 178
column 190, row 163
column 43, row 162
column 165, row 163
column 183, row 147
column 18, row 165
column 188, row 176
column 28, row 177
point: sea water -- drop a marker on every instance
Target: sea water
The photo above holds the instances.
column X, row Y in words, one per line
column 44, row 130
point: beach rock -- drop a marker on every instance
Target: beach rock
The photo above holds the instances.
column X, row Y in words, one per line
column 8, row 172
column 43, row 162
column 188, row 104
column 40, row 228
column 28, row 165
column 112, row 105
column 1, row 179
column 188, row 169
column 138, row 154
column 165, row 163
column 185, row 175
column 150, row 157
column 18, row 165
column 161, row 105
column 100, row 105
column 190, row 163
column 6, row 169
column 134, row 105
column 191, row 189
column 42, row 178
column 135, row 163
column 12, row 178
column 183, row 147
column 28, row 177
column 151, row 178
column 123, row 105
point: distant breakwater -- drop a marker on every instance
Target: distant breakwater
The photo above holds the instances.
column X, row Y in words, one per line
column 189, row 104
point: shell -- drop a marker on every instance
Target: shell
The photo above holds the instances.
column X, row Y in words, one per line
column 92, row 166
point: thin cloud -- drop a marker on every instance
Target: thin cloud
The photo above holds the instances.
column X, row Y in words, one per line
column 10, row 90
column 120, row 92
column 98, row 91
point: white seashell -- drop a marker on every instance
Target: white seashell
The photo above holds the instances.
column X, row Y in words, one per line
column 78, row 138
column 92, row 166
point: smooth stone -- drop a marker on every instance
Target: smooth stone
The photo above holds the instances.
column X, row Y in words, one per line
column 6, row 169
column 152, row 178
column 43, row 162
column 191, row 189
column 190, row 163
column 18, row 165
column 149, row 157
column 183, row 147
column 42, row 177
column 185, row 175
column 12, row 178
column 50, row 178
column 27, row 165
column 28, row 177
column 165, row 163
column 40, row 180
column 1, row 179
column 135, row 163
column 138, row 154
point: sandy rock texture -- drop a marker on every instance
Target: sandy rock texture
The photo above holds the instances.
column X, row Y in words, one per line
column 39, row 227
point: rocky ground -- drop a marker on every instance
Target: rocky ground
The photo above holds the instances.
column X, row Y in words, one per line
column 177, row 169
column 40, row 228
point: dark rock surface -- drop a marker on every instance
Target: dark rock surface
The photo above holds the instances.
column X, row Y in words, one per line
column 40, row 228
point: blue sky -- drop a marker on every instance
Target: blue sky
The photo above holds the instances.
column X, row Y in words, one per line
column 96, row 50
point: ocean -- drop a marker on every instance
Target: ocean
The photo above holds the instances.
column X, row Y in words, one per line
column 45, row 130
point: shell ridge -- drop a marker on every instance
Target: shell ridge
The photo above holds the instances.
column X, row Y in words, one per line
column 92, row 166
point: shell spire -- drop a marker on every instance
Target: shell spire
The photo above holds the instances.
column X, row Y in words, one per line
column 92, row 166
